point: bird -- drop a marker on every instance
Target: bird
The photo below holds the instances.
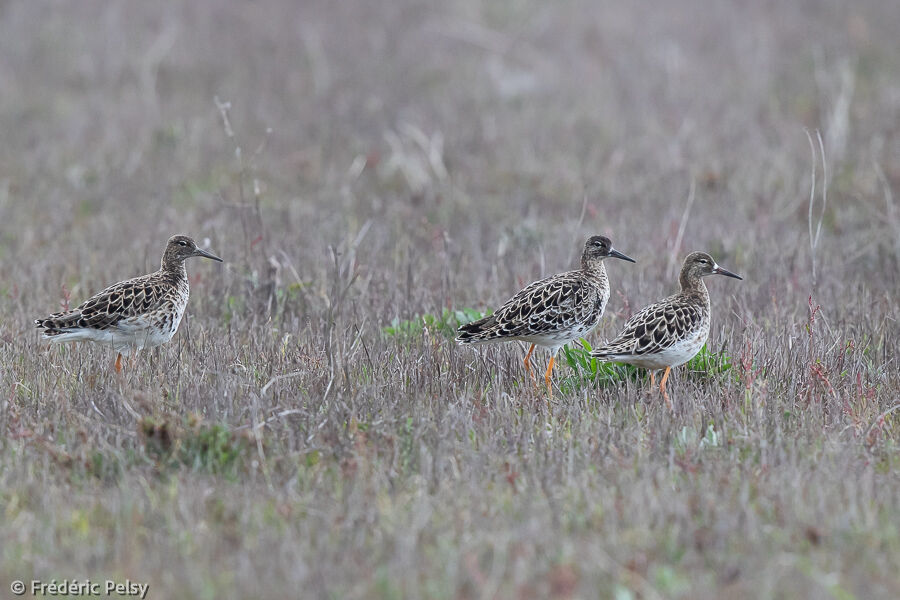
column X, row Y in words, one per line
column 137, row 313
column 670, row 332
column 553, row 311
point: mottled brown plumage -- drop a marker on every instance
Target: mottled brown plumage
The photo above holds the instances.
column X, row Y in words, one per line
column 670, row 332
column 553, row 311
column 132, row 314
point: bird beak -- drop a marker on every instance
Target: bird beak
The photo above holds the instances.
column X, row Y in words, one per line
column 720, row 271
column 205, row 254
column 616, row 254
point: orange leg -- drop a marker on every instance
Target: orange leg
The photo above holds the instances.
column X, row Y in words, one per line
column 547, row 375
column 528, row 364
column 652, row 379
column 118, row 363
column 662, row 388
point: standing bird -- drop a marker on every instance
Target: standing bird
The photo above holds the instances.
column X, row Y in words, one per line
column 670, row 332
column 553, row 311
column 134, row 314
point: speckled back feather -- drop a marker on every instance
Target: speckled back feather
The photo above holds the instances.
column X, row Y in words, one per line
column 553, row 306
column 148, row 294
column 659, row 326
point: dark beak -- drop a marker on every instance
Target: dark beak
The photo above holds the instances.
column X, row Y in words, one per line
column 205, row 254
column 616, row 254
column 720, row 271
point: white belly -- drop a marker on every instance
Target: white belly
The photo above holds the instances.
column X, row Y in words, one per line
column 556, row 339
column 146, row 331
column 675, row 355
column 129, row 335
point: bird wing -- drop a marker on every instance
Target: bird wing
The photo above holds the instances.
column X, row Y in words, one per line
column 124, row 300
column 543, row 306
column 654, row 328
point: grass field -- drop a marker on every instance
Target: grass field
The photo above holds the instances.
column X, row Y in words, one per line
column 374, row 173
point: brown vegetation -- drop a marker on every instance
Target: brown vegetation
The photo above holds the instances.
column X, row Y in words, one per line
column 361, row 164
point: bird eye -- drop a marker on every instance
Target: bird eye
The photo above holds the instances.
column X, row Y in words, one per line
column 182, row 243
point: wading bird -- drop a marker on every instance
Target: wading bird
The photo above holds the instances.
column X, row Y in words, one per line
column 672, row 331
column 134, row 314
column 553, row 311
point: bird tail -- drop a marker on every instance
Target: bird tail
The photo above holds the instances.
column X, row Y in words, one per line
column 608, row 353
column 482, row 330
column 57, row 324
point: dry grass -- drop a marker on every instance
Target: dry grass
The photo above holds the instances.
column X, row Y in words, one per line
column 430, row 157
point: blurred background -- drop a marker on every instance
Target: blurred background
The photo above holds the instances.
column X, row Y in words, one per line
column 471, row 136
